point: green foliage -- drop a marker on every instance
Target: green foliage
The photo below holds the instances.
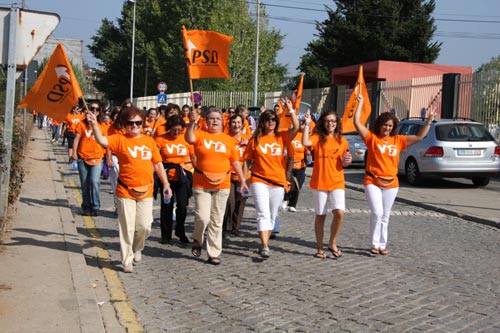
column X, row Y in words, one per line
column 159, row 50
column 492, row 66
column 360, row 31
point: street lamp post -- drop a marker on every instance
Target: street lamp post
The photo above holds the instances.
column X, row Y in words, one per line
column 256, row 69
column 133, row 53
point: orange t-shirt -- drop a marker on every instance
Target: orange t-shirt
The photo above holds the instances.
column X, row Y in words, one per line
column 160, row 127
column 72, row 120
column 298, row 150
column 87, row 146
column 105, row 128
column 176, row 151
column 214, row 153
column 328, row 172
column 383, row 156
column 135, row 157
column 269, row 159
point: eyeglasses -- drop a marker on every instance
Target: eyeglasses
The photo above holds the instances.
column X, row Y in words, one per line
column 271, row 119
column 330, row 120
column 136, row 123
column 176, row 129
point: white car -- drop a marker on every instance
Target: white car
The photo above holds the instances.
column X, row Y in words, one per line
column 453, row 148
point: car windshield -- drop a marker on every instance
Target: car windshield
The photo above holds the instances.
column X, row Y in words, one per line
column 463, row 132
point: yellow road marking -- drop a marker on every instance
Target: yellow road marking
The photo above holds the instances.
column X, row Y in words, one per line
column 125, row 312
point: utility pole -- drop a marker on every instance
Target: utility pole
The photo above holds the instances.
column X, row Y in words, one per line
column 133, row 53
column 256, row 70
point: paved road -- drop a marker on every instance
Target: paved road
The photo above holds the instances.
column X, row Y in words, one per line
column 441, row 276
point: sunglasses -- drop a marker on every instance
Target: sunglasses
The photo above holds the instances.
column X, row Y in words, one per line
column 93, row 108
column 330, row 120
column 270, row 119
column 136, row 123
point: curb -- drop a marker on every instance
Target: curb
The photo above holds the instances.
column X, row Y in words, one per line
column 89, row 313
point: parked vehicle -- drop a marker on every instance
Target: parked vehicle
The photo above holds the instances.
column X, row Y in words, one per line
column 357, row 147
column 454, row 148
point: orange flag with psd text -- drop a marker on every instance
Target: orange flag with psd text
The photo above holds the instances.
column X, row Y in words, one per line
column 56, row 90
column 352, row 104
column 207, row 53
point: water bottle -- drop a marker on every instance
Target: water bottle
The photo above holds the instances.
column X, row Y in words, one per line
column 344, row 161
column 165, row 200
column 75, row 165
column 245, row 192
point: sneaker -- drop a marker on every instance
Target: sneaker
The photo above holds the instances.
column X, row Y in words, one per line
column 94, row 212
column 128, row 268
column 284, row 205
column 265, row 252
column 292, row 209
column 87, row 212
column 273, row 235
column 137, row 257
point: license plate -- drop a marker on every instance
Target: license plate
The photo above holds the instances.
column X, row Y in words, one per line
column 469, row 152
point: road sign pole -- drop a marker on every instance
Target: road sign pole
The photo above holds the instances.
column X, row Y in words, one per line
column 9, row 111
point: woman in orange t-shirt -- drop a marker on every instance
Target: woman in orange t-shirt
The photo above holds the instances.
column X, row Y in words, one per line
column 89, row 155
column 176, row 154
column 138, row 156
column 236, row 201
column 266, row 155
column 215, row 154
column 331, row 155
column 381, row 179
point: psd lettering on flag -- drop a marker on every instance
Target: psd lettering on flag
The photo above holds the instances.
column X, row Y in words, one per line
column 352, row 104
column 56, row 90
column 285, row 118
column 207, row 53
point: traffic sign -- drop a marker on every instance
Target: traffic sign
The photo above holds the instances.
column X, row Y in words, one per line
column 162, row 87
column 162, row 99
column 197, row 97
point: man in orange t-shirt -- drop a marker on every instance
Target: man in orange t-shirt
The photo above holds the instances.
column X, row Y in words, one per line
column 69, row 127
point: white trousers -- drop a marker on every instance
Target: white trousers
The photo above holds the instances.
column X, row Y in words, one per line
column 136, row 217
column 380, row 201
column 267, row 201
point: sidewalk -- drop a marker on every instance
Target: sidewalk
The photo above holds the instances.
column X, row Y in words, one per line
column 44, row 284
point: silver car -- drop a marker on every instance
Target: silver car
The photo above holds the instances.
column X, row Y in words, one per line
column 357, row 147
column 454, row 148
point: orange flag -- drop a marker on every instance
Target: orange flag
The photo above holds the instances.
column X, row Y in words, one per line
column 285, row 119
column 207, row 53
column 352, row 104
column 56, row 90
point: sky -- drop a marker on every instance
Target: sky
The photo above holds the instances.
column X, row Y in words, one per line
column 469, row 30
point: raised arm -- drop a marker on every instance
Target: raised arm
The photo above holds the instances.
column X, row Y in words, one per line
column 424, row 130
column 361, row 128
column 292, row 132
column 306, row 140
column 193, row 125
column 99, row 137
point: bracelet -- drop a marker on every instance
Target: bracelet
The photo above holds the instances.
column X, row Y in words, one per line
column 307, row 124
column 292, row 111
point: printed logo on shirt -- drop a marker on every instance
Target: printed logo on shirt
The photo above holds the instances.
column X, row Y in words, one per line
column 219, row 147
column 180, row 149
column 297, row 144
column 75, row 120
column 241, row 149
column 275, row 149
column 145, row 152
column 89, row 133
column 392, row 150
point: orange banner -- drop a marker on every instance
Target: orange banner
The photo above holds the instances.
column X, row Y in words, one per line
column 285, row 118
column 207, row 53
column 352, row 104
column 56, row 90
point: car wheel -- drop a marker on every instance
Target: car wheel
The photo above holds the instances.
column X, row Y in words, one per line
column 481, row 181
column 412, row 172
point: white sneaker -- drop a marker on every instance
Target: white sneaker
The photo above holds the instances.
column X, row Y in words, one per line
column 137, row 256
column 128, row 268
column 284, row 205
column 292, row 209
column 265, row 252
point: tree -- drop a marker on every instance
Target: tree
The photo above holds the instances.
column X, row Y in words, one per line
column 159, row 51
column 359, row 31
